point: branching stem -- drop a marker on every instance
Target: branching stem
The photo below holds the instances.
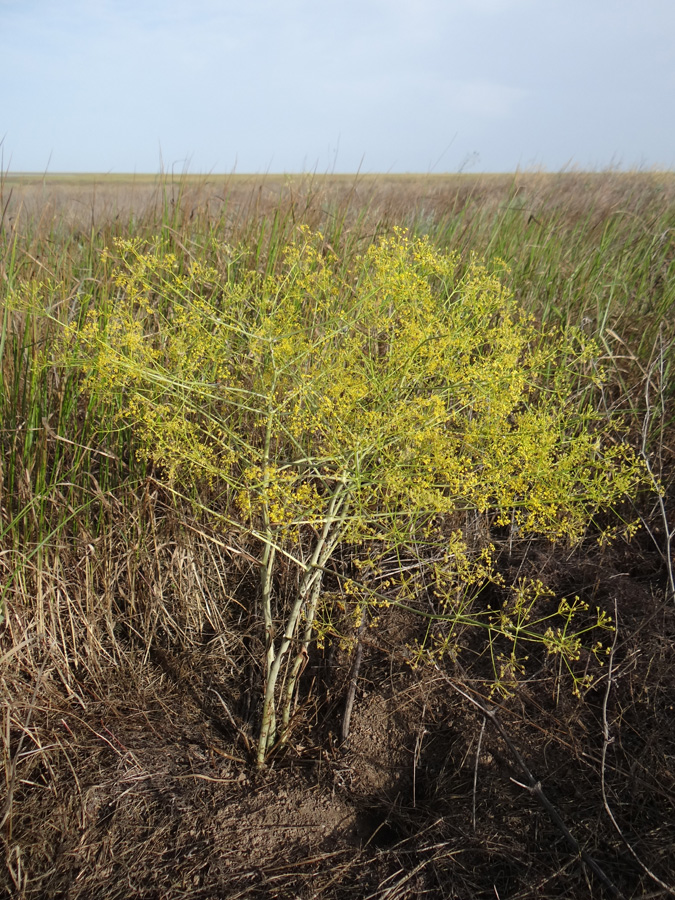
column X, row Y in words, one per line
column 310, row 587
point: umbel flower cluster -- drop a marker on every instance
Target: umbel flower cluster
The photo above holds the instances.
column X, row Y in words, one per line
column 374, row 406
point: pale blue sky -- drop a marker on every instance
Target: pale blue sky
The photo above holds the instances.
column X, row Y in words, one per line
column 297, row 85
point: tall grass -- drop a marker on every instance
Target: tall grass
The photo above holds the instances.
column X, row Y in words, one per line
column 93, row 549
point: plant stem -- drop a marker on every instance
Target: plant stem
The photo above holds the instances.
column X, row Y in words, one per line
column 268, row 726
column 310, row 586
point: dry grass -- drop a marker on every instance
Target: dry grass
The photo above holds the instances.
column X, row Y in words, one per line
column 98, row 201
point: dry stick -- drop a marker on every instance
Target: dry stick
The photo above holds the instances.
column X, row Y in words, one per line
column 606, row 741
column 534, row 786
column 353, row 678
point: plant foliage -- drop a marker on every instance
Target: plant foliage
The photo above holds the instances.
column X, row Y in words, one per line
column 376, row 405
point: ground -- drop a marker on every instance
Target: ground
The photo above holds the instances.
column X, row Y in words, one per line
column 140, row 783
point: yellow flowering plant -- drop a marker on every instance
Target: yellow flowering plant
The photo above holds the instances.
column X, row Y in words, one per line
column 376, row 405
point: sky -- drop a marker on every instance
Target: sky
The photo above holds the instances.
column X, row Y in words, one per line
column 340, row 86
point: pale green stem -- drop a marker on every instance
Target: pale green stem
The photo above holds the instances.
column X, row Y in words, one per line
column 310, row 615
column 313, row 573
column 266, row 571
column 299, row 661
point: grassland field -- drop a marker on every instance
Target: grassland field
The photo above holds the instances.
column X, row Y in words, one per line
column 336, row 536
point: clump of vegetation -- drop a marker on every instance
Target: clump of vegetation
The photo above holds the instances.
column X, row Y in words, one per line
column 365, row 408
